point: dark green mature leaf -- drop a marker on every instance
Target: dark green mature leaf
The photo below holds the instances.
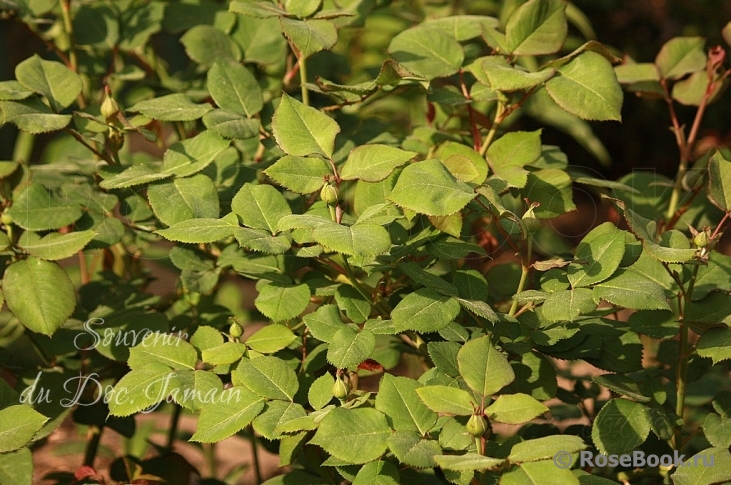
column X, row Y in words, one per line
column 430, row 280
column 467, row 462
column 309, row 36
column 184, row 198
column 324, row 322
column 632, row 290
column 719, row 181
column 411, row 449
column 717, row 430
column 712, row 465
column 55, row 246
column 715, row 344
column 353, row 435
column 622, row 384
column 269, row 377
column 378, row 473
column 424, row 311
column 230, row 124
column 427, row 51
column 645, row 230
column 206, row 44
column 262, row 241
column 193, row 155
column 282, row 302
column 38, row 209
column 39, row 293
column 599, row 257
column 537, row 27
column 680, row 56
column 509, row 153
column 172, row 107
column 552, row 188
column 301, row 130
column 444, row 356
column 349, row 347
column 233, row 409
column 139, row 22
column 588, row 88
column 233, row 87
column 200, row 230
column 620, row 427
column 515, row 409
column 320, row 392
column 504, row 77
column 352, row 303
column 398, row 399
column 484, row 368
column 303, row 175
column 429, row 188
column 260, row 206
column 567, row 305
column 445, row 399
column 56, row 82
column 542, row 448
column 373, row 163
column 32, row 115
column 19, row 424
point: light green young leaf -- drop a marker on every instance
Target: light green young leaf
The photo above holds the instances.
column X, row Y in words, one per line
column 230, row 124
column 139, row 389
column 445, row 399
column 262, row 241
column 206, row 44
column 424, row 311
column 282, row 302
column 303, row 175
column 712, row 465
column 135, row 175
column 484, row 368
column 32, row 115
column 164, row 348
column 39, row 293
column 353, row 435
column 373, row 163
column 509, row 153
column 56, row 82
column 680, row 56
column 269, row 377
column 302, row 8
column 270, row 339
column 181, row 199
column 16, row 468
column 620, row 427
column 350, row 347
column 427, row 187
column 378, row 473
column 463, row 27
column 193, row 155
column 598, row 259
column 567, row 305
column 309, row 36
column 515, row 409
column 398, row 399
column 224, row 354
column 542, row 448
column 320, row 392
column 427, row 51
column 18, row 426
column 467, row 462
column 172, row 107
column 719, row 181
column 233, row 87
column 13, row 91
column 234, row 409
column 200, row 230
column 259, row 10
column 301, row 130
column 260, row 206
column 537, row 27
column 631, row 290
column 275, row 414
column 324, row 322
column 636, row 73
column 588, row 88
column 359, row 240
column 411, row 449
column 504, row 77
column 55, row 246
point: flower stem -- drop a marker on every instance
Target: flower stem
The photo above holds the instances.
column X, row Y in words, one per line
column 525, row 263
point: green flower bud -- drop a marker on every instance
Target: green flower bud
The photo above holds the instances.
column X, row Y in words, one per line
column 477, row 425
column 235, row 330
column 702, row 239
column 530, row 222
column 109, row 107
column 340, row 389
column 329, row 194
column 6, row 218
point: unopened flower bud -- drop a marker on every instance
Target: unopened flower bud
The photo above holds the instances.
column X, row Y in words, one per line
column 235, row 330
column 109, row 107
column 477, row 425
column 329, row 194
column 530, row 222
column 340, row 389
column 702, row 239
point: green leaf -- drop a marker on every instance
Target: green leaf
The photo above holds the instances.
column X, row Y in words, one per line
column 359, row 240
column 719, row 181
column 413, row 450
column 320, row 392
column 463, row 27
column 138, row 23
column 206, row 44
column 635, row 73
column 269, row 377
column 56, row 82
column 260, row 206
column 504, row 77
column 139, row 389
column 13, row 91
column 542, row 448
column 598, row 259
column 483, row 367
column 467, row 462
column 32, row 115
column 164, row 348
column 260, row 10
column 20, row 424
column 224, row 354
column 515, row 409
column 233, row 87
column 16, row 468
column 301, row 130
column 645, row 230
column 302, row 8
column 429, row 188
column 352, row 303
column 282, row 302
column 378, row 473
column 350, row 347
column 445, row 399
column 230, row 124
column 270, row 339
column 717, row 430
column 427, row 51
column 55, row 246
column 715, row 343
column 309, row 36
column 543, row 472
column 424, row 311
column 715, row 308
column 39, row 209
column 303, row 175
column 262, row 241
column 373, row 163
column 621, row 384
column 134, row 175
column 509, row 153
column 680, row 56
column 324, row 322
column 463, row 162
column 275, row 414
column 712, row 465
column 620, row 427
column 173, row 107
column 398, row 399
column 353, row 435
column 430, row 280
column 552, row 188
column 631, row 290
column 233, row 410
column 184, row 198
column 444, row 356
column 200, row 230
column 193, row 155
column 39, row 294
column 537, row 27
column 588, row 88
